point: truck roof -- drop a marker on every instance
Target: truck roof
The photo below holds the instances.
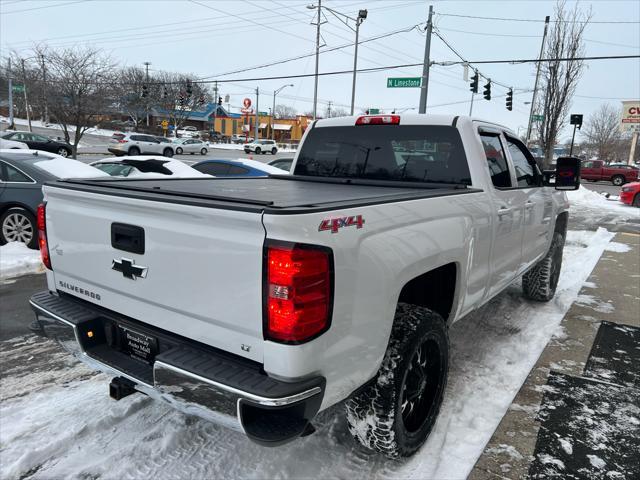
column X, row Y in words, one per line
column 407, row 119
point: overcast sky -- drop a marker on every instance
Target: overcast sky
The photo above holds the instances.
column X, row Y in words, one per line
column 211, row 38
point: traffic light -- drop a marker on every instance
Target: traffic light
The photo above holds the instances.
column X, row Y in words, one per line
column 474, row 83
column 189, row 88
column 487, row 91
column 510, row 99
column 219, row 100
column 145, row 91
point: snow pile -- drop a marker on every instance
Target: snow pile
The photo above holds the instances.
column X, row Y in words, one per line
column 69, row 426
column 68, row 168
column 16, row 259
column 585, row 201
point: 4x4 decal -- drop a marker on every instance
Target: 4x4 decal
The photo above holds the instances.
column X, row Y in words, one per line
column 335, row 224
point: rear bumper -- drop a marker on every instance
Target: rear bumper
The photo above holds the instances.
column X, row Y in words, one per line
column 116, row 151
column 193, row 378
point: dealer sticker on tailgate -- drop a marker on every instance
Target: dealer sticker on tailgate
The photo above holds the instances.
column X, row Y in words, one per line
column 139, row 345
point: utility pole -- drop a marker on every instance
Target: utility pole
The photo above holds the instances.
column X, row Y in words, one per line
column 257, row 125
column 362, row 14
column 146, row 79
column 215, row 110
column 11, row 125
column 424, row 89
column 329, row 109
column 535, row 86
column 315, row 85
column 471, row 107
column 44, row 91
column 26, row 102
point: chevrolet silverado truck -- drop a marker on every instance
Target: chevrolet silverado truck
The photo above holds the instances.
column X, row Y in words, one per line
column 618, row 174
column 259, row 302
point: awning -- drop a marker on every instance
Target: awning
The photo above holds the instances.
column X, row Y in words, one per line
column 263, row 125
column 281, row 126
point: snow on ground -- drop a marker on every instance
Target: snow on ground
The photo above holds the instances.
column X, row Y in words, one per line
column 54, row 126
column 587, row 202
column 16, row 259
column 70, row 427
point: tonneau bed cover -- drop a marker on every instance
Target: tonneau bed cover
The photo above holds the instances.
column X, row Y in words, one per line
column 276, row 194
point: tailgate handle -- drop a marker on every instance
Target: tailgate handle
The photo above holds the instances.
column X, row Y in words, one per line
column 129, row 238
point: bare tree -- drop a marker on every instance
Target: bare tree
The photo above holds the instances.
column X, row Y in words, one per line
column 79, row 89
column 336, row 112
column 176, row 96
column 560, row 78
column 285, row 111
column 602, row 132
column 131, row 94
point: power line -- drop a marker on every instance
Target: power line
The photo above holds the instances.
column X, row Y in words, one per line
column 536, row 60
column 535, row 20
column 44, row 6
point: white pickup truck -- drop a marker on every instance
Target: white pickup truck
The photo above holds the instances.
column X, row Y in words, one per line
column 258, row 302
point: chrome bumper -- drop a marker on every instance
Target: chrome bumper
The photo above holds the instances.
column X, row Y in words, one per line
column 190, row 392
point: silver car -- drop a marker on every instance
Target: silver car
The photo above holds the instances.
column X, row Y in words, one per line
column 139, row 144
column 190, row 145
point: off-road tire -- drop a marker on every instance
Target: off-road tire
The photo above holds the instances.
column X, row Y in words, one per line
column 618, row 180
column 374, row 414
column 541, row 281
column 133, row 151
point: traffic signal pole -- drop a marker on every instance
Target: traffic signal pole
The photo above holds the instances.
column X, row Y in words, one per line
column 424, row 88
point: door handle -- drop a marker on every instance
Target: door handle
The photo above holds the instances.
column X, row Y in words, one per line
column 529, row 205
column 503, row 211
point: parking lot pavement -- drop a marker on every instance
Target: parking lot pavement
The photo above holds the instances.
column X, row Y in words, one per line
column 577, row 414
column 600, row 187
column 14, row 308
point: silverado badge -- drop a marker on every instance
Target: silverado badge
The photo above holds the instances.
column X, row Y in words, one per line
column 128, row 269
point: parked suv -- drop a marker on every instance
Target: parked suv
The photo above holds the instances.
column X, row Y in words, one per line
column 261, row 146
column 137, row 144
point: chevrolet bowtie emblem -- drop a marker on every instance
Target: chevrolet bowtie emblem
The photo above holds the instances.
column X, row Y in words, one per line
column 128, row 269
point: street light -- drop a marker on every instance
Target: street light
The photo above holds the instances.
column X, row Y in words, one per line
column 273, row 110
column 362, row 14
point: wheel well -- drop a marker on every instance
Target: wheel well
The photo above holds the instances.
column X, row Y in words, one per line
column 434, row 290
column 6, row 206
column 561, row 223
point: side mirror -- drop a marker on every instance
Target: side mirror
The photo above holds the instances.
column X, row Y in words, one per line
column 566, row 176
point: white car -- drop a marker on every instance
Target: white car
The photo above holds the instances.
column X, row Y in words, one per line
column 188, row 132
column 146, row 167
column 12, row 144
column 133, row 144
column 190, row 145
column 261, row 146
column 240, row 138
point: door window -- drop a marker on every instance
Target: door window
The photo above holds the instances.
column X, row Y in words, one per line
column 587, row 164
column 235, row 170
column 214, row 168
column 523, row 163
column 11, row 174
column 497, row 161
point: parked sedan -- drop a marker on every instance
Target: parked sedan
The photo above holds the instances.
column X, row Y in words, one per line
column 40, row 142
column 190, row 145
column 146, row 167
column 22, row 173
column 630, row 194
column 237, row 168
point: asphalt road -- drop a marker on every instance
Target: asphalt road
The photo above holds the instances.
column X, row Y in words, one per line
column 15, row 311
column 602, row 187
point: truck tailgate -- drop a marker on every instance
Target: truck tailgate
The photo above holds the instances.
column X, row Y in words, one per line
column 203, row 277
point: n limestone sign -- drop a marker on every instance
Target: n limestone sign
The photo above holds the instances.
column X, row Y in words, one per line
column 630, row 115
column 411, row 82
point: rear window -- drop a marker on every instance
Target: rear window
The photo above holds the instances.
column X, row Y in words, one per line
column 412, row 153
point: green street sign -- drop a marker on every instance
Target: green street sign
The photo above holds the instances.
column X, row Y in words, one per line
column 537, row 118
column 374, row 111
column 18, row 88
column 407, row 82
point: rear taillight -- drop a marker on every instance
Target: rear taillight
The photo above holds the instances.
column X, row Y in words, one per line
column 298, row 292
column 123, row 141
column 379, row 120
column 42, row 235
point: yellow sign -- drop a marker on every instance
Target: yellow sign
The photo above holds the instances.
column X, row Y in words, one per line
column 164, row 124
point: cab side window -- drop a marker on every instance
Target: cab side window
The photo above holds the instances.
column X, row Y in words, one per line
column 496, row 160
column 527, row 173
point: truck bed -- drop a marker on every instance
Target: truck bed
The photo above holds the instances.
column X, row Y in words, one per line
column 286, row 194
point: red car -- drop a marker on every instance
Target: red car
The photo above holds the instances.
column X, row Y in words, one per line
column 616, row 173
column 630, row 194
